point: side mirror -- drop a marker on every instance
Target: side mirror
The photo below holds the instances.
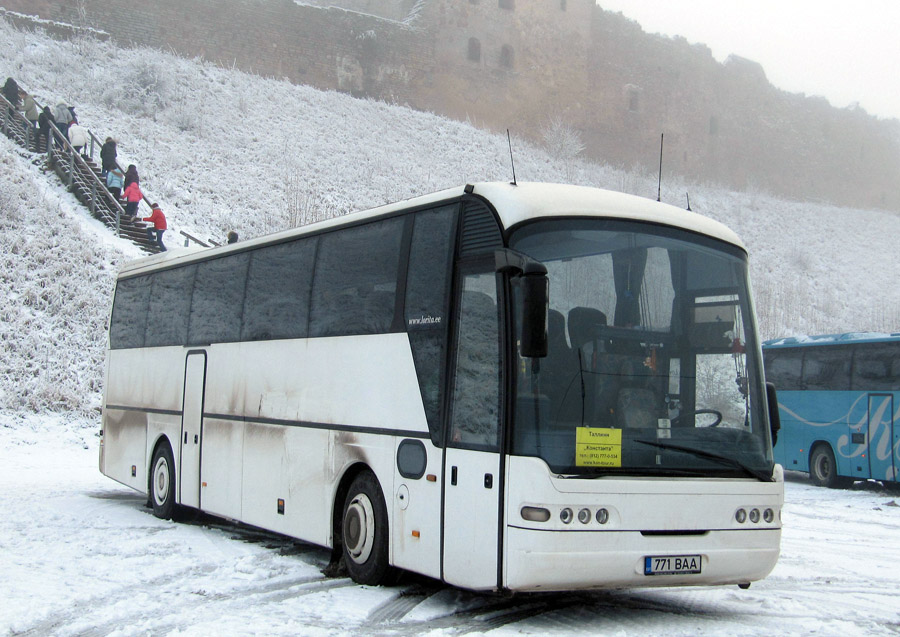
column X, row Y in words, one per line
column 774, row 415
column 536, row 301
column 531, row 275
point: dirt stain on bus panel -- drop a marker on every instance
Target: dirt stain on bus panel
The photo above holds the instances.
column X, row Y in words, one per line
column 346, row 450
column 124, row 445
column 123, row 424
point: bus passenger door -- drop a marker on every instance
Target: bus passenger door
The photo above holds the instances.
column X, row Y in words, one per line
column 882, row 437
column 192, row 428
column 472, row 484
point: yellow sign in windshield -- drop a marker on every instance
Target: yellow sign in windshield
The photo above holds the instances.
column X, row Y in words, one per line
column 598, row 447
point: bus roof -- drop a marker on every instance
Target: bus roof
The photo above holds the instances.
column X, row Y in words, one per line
column 831, row 339
column 513, row 203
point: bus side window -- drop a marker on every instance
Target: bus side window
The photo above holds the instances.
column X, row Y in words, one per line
column 170, row 307
column 783, row 368
column 129, row 315
column 476, row 395
column 276, row 303
column 875, row 367
column 351, row 266
column 427, row 303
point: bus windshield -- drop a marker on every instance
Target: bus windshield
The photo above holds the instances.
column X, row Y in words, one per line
column 653, row 365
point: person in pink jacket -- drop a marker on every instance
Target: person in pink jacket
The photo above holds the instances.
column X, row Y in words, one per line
column 133, row 196
column 158, row 219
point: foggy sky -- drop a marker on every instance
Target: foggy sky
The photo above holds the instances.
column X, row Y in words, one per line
column 847, row 52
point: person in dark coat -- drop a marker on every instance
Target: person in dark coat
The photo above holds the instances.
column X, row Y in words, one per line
column 108, row 156
column 131, row 175
column 11, row 93
column 45, row 120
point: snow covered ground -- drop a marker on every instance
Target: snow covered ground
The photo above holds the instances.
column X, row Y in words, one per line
column 222, row 150
column 83, row 555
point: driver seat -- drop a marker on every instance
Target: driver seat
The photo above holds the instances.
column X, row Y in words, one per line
column 638, row 405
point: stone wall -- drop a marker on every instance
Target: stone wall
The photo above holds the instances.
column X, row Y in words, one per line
column 517, row 63
column 328, row 48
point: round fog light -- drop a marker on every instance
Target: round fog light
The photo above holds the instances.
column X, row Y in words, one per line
column 565, row 515
column 768, row 515
column 754, row 516
column 740, row 516
column 602, row 516
column 584, row 516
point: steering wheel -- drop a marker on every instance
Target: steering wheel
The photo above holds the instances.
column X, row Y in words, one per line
column 718, row 415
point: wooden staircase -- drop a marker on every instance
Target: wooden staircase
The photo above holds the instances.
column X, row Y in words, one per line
column 79, row 173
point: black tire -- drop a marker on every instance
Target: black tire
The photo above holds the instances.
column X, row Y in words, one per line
column 161, row 482
column 823, row 470
column 364, row 532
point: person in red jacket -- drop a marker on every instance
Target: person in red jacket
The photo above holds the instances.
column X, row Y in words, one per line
column 133, row 196
column 158, row 219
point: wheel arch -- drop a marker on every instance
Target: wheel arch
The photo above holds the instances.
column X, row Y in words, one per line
column 337, row 501
column 161, row 439
column 815, row 446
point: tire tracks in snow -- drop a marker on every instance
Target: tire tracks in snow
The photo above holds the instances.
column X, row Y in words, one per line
column 176, row 603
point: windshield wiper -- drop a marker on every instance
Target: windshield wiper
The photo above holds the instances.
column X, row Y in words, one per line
column 759, row 475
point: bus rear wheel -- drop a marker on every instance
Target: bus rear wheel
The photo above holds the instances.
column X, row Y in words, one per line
column 823, row 470
column 364, row 531
column 162, row 482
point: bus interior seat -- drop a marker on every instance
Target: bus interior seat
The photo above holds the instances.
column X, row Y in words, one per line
column 638, row 404
column 561, row 365
column 585, row 326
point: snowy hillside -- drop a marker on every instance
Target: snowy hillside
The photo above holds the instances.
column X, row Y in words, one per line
column 224, row 150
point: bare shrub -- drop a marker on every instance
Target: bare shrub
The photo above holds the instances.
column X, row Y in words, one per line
column 562, row 142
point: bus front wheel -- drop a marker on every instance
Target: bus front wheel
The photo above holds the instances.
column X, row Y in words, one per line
column 162, row 482
column 364, row 531
column 823, row 469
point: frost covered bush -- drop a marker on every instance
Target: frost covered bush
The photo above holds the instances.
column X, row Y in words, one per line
column 142, row 88
column 56, row 282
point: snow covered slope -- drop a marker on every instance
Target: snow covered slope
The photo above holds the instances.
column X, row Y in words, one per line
column 223, row 150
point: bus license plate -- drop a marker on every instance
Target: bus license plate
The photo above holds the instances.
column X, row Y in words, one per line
column 672, row 565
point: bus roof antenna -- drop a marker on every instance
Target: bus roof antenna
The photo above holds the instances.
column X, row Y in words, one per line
column 688, row 195
column 659, row 183
column 511, row 161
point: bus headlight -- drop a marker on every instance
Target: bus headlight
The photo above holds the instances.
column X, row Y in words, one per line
column 602, row 516
column 768, row 515
column 565, row 515
column 754, row 516
column 535, row 514
column 740, row 516
column 584, row 516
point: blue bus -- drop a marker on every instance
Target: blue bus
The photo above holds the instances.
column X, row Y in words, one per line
column 839, row 399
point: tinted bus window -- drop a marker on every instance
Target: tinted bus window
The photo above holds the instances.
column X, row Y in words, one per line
column 218, row 300
column 355, row 285
column 170, row 307
column 876, row 367
column 427, row 302
column 826, row 368
column 783, row 368
column 476, row 396
column 129, row 315
column 276, row 304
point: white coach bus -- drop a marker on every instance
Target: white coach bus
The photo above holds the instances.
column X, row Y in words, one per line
column 504, row 387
